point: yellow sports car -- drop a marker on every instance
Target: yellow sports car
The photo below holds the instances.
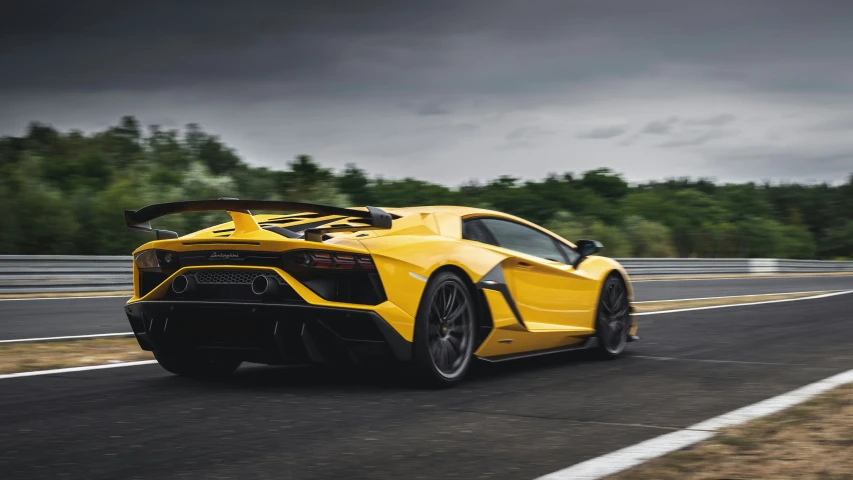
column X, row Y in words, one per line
column 432, row 286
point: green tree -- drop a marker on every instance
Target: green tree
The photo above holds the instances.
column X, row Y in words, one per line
column 605, row 183
column 616, row 242
column 838, row 241
column 355, row 184
column 649, row 239
column 64, row 192
column 566, row 225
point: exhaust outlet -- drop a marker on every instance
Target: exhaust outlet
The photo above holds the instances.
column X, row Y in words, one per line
column 263, row 285
column 183, row 284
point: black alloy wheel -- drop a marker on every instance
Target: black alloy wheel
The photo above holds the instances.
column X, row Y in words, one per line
column 444, row 336
column 613, row 318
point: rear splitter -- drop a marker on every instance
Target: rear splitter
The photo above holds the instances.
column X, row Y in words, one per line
column 276, row 334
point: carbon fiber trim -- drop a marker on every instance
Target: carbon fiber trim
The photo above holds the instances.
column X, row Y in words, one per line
column 494, row 280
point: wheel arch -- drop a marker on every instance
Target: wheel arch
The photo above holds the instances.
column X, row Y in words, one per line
column 600, row 268
column 482, row 315
column 622, row 275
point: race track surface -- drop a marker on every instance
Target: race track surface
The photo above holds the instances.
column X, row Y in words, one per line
column 723, row 287
column 515, row 420
column 87, row 316
column 61, row 317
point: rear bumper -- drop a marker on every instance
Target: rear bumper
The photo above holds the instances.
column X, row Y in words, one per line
column 266, row 333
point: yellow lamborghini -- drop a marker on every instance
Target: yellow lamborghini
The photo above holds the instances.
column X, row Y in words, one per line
column 434, row 286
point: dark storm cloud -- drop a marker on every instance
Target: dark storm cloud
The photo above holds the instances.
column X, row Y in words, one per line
column 348, row 48
column 692, row 140
column 527, row 133
column 602, row 132
column 840, row 124
column 716, row 120
column 672, row 124
column 690, row 132
column 398, row 85
column 661, row 127
column 431, row 108
column 827, row 162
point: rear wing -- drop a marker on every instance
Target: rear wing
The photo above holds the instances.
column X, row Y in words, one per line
column 374, row 218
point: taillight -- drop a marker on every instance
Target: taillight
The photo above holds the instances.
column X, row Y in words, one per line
column 320, row 260
column 156, row 260
column 339, row 261
column 344, row 261
column 365, row 262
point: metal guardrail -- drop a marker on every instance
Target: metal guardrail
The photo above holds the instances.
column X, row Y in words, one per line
column 81, row 273
column 65, row 273
column 664, row 267
column 667, row 267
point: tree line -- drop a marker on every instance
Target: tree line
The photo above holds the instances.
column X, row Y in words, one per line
column 65, row 192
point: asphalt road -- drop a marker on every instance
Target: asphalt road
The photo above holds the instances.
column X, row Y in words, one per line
column 675, row 289
column 516, row 420
column 62, row 316
column 86, row 316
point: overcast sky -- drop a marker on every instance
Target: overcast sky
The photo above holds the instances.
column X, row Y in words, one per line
column 457, row 90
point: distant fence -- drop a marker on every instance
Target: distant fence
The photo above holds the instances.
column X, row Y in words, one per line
column 80, row 273
column 668, row 267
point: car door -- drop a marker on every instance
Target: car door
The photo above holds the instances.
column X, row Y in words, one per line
column 548, row 291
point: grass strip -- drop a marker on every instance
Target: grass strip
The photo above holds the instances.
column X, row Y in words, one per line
column 27, row 357
column 813, row 440
column 120, row 293
column 641, row 278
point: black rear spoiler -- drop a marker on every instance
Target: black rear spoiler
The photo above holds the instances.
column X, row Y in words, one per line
column 375, row 218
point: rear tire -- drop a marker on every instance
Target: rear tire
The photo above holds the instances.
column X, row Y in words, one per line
column 613, row 317
column 196, row 366
column 444, row 331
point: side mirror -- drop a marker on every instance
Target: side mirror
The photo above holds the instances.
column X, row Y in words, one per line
column 587, row 247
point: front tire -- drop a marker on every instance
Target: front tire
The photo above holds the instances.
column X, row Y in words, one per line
column 195, row 366
column 444, row 331
column 613, row 318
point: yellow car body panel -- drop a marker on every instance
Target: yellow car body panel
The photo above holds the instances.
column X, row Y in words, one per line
column 556, row 303
column 509, row 337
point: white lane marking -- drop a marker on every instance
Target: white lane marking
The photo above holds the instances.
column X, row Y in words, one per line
column 63, row 298
column 746, row 304
column 639, row 453
column 72, row 337
column 665, row 279
column 731, row 296
column 707, row 360
column 76, row 369
column 68, row 337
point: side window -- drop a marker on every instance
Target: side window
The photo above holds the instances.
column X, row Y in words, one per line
column 523, row 239
column 476, row 231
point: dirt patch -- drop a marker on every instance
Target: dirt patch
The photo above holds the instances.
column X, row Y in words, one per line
column 26, row 357
column 641, row 307
column 813, row 440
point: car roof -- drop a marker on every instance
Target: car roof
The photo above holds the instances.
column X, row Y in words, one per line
column 453, row 209
column 471, row 212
